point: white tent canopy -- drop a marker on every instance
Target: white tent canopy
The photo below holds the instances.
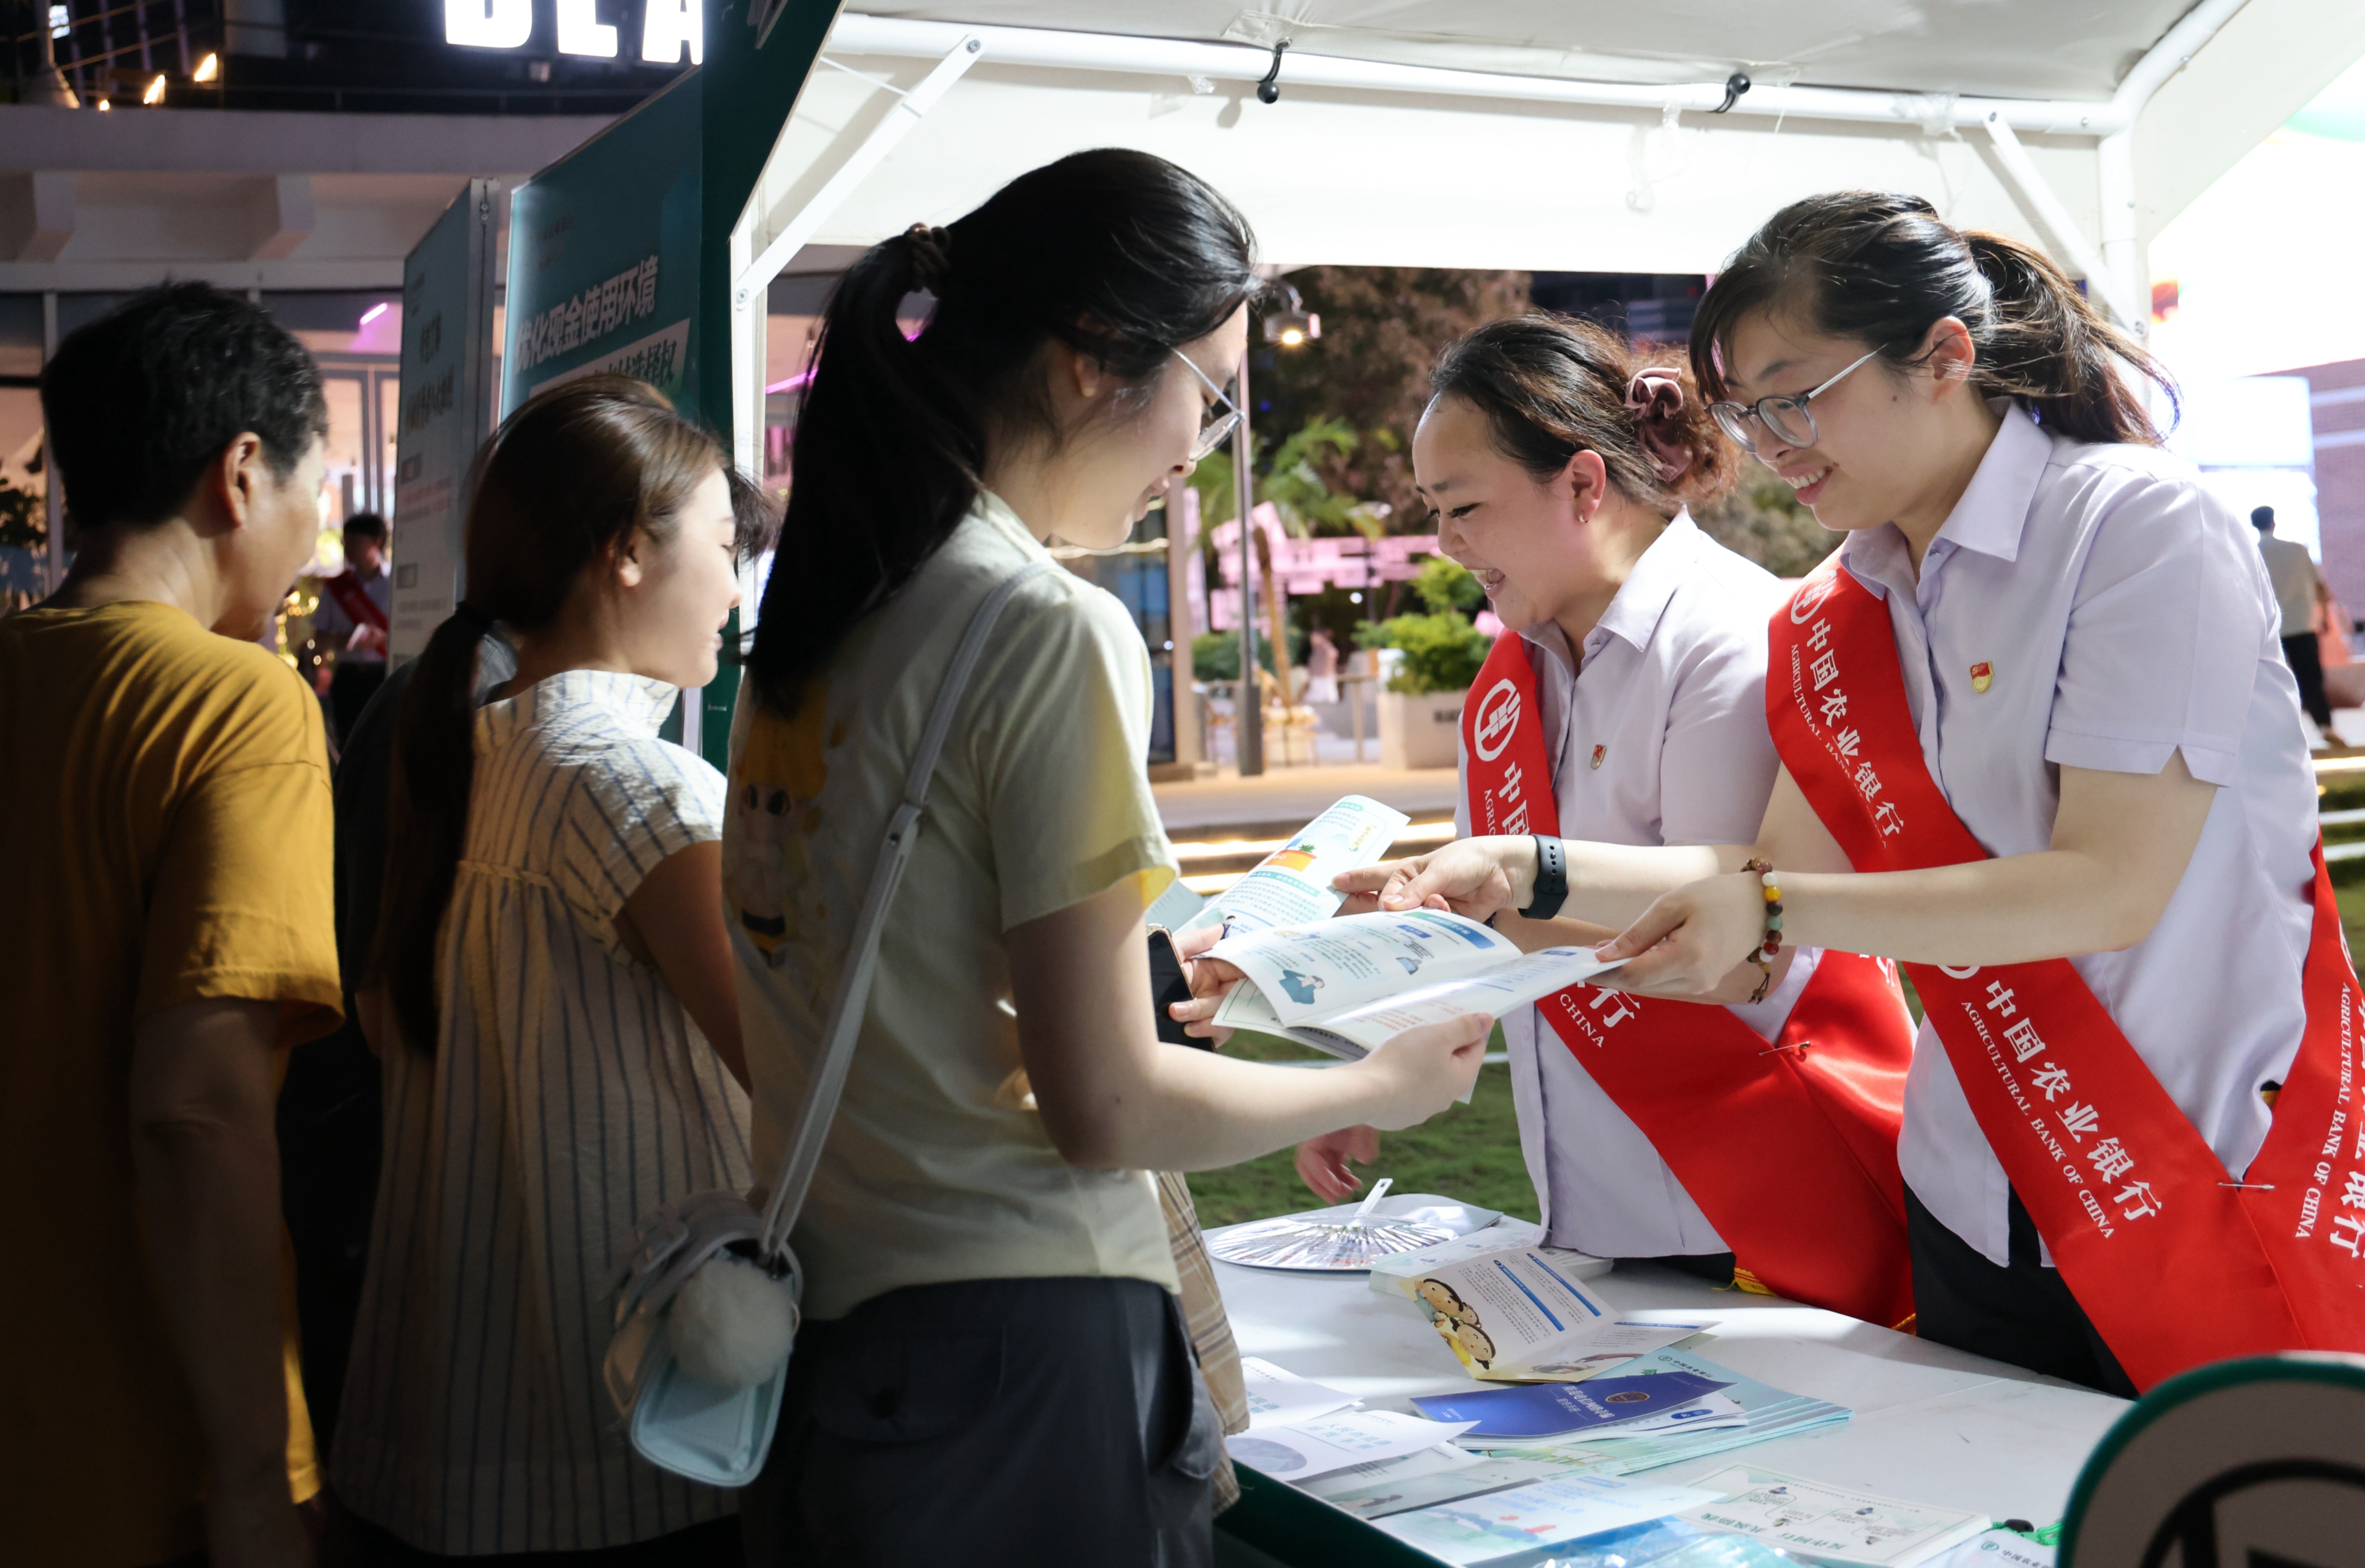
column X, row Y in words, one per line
column 1537, row 134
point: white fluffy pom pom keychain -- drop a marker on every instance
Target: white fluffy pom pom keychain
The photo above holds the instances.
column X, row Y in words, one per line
column 732, row 1324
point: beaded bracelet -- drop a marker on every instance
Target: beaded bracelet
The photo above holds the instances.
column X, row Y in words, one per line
column 1763, row 955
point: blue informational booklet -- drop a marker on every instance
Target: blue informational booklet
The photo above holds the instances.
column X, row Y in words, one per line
column 1561, row 1409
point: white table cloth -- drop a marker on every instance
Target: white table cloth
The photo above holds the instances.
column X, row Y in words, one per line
column 1930, row 1425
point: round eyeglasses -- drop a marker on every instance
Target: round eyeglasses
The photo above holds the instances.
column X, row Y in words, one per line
column 1786, row 419
column 1219, row 426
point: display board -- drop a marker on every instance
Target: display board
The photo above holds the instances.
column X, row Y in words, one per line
column 447, row 351
column 603, row 258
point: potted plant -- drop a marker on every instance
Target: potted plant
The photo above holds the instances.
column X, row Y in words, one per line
column 1438, row 655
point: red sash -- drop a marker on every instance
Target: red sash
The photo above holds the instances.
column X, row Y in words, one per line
column 2174, row 1263
column 1790, row 1150
column 354, row 601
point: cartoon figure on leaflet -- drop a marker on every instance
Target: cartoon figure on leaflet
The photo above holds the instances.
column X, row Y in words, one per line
column 774, row 804
column 1301, row 987
column 1456, row 1321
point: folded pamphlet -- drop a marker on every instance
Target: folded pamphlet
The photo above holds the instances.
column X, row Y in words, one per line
column 1514, row 1312
column 1832, row 1524
column 1291, row 885
column 1347, row 986
column 1317, row 1446
column 1561, row 1410
column 1997, row 1549
column 1543, row 1513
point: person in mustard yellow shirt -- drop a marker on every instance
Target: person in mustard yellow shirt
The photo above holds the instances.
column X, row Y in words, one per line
column 168, row 931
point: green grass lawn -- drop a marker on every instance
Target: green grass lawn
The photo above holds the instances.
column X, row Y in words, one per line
column 1470, row 1152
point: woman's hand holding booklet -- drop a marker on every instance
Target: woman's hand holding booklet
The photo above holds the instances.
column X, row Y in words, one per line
column 1349, row 986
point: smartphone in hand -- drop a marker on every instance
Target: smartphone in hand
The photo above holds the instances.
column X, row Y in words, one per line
column 1168, row 985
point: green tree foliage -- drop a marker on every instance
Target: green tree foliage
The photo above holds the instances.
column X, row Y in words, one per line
column 1441, row 649
column 1763, row 520
column 1382, row 329
column 1444, row 583
column 20, row 519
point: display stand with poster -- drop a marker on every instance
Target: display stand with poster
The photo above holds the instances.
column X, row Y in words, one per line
column 447, row 353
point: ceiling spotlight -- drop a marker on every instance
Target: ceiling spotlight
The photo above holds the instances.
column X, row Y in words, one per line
column 155, row 93
column 1292, row 324
column 208, row 68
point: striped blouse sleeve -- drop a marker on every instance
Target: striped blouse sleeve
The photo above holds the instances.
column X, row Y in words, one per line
column 632, row 804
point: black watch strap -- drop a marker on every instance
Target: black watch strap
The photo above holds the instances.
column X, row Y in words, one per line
column 1551, row 879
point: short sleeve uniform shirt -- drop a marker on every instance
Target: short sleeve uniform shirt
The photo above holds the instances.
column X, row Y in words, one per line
column 2118, row 615
column 1657, row 732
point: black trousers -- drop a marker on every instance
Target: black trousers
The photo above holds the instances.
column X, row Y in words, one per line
column 996, row 1422
column 350, row 690
column 2023, row 1313
column 2306, row 660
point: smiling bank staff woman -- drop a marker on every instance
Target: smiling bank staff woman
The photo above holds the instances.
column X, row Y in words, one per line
column 1628, row 705
column 2039, row 743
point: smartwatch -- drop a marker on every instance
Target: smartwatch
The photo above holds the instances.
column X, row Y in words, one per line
column 1551, row 879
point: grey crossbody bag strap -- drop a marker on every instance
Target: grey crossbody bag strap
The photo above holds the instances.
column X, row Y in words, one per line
column 828, row 1082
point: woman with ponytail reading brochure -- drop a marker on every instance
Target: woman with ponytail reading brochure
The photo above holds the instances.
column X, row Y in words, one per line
column 992, row 1360
column 551, row 997
column 2039, row 744
column 1628, row 704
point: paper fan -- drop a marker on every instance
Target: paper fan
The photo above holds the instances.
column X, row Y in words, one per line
column 1302, row 1241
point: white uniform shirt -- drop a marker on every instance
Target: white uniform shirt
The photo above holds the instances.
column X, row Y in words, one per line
column 569, row 1095
column 1661, row 739
column 2126, row 615
column 329, row 618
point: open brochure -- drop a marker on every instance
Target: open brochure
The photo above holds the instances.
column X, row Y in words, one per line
column 1291, row 885
column 1515, row 1311
column 1347, row 986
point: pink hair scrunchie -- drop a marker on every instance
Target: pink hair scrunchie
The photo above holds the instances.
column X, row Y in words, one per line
column 1652, row 398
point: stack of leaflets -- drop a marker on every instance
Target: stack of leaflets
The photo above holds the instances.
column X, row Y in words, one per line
column 1291, row 885
column 1304, row 1450
column 1829, row 1524
column 1513, row 1311
column 1615, row 1406
column 1347, row 986
column 1769, row 1412
column 1513, row 1524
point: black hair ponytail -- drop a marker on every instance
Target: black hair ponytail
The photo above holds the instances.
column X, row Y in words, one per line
column 1119, row 254
column 1881, row 268
column 566, row 478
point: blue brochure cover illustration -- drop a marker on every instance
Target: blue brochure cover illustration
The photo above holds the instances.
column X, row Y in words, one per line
column 1555, row 1409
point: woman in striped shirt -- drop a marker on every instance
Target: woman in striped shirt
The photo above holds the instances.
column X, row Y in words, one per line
column 551, row 995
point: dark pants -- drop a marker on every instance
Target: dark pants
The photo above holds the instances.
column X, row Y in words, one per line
column 2307, row 660
column 2023, row 1313
column 711, row 1545
column 996, row 1422
column 327, row 1120
column 350, row 690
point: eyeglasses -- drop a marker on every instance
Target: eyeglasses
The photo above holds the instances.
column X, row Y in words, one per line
column 1219, row 428
column 1786, row 418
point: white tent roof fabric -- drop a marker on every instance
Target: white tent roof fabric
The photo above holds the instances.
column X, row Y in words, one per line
column 1356, row 166
column 2013, row 48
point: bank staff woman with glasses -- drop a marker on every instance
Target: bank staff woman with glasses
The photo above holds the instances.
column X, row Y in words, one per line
column 2039, row 744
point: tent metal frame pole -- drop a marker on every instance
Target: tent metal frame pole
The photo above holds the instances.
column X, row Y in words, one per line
column 2069, row 240
column 860, row 34
column 1248, row 708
